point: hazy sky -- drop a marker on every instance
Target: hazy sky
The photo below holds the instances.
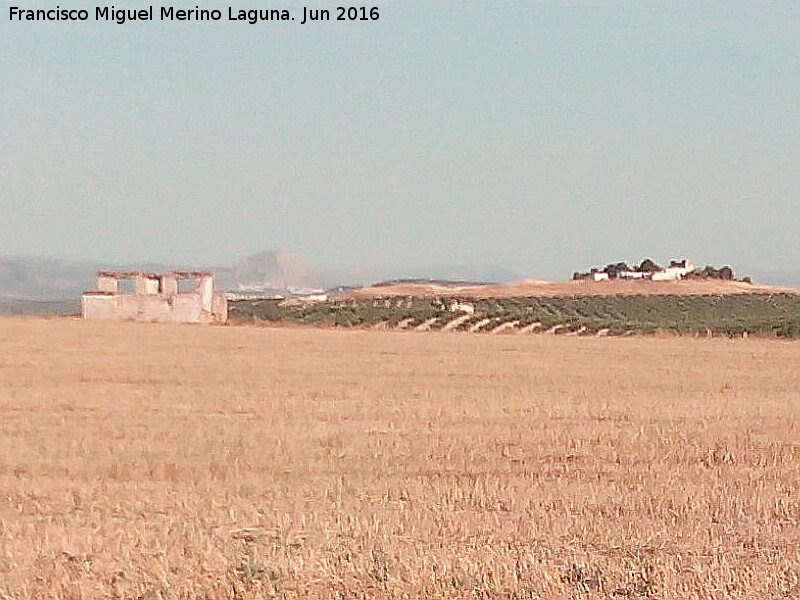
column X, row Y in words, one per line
column 544, row 136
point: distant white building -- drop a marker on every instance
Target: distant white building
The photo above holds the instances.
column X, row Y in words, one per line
column 675, row 271
column 315, row 298
column 462, row 307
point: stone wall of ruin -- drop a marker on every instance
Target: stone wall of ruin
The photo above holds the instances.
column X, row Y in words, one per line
column 156, row 299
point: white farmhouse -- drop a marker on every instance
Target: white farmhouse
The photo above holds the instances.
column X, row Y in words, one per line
column 675, row 271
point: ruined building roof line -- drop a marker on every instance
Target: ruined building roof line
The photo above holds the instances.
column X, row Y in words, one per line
column 128, row 274
column 151, row 275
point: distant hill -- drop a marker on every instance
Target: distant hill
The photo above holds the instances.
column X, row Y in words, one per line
column 47, row 279
column 37, row 279
column 40, row 307
column 28, row 282
column 274, row 269
column 780, row 278
column 568, row 289
column 25, row 278
column 472, row 273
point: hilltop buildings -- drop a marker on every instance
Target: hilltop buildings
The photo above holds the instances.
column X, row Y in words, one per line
column 647, row 270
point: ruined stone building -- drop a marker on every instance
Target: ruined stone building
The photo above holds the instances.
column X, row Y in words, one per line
column 156, row 298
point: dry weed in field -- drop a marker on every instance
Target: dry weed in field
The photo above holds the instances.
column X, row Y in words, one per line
column 177, row 462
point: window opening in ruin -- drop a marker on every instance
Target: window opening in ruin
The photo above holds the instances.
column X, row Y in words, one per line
column 126, row 285
column 186, row 285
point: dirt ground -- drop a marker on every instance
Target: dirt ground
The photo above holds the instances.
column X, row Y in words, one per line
column 569, row 288
column 154, row 462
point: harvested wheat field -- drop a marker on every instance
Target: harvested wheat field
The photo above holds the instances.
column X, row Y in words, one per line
column 202, row 463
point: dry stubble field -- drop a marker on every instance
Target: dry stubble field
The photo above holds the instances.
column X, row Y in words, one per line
column 205, row 463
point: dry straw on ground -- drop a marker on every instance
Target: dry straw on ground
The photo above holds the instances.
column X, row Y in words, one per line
column 145, row 461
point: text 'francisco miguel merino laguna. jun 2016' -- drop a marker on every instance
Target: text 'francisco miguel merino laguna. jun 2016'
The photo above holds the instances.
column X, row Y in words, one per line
column 121, row 16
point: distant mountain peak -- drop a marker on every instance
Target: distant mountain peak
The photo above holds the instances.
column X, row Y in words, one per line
column 275, row 269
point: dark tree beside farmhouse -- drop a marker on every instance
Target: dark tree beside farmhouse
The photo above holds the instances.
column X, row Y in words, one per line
column 649, row 266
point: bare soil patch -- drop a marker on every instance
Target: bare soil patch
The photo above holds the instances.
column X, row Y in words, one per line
column 531, row 288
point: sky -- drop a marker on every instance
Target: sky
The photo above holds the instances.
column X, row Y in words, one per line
column 542, row 136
